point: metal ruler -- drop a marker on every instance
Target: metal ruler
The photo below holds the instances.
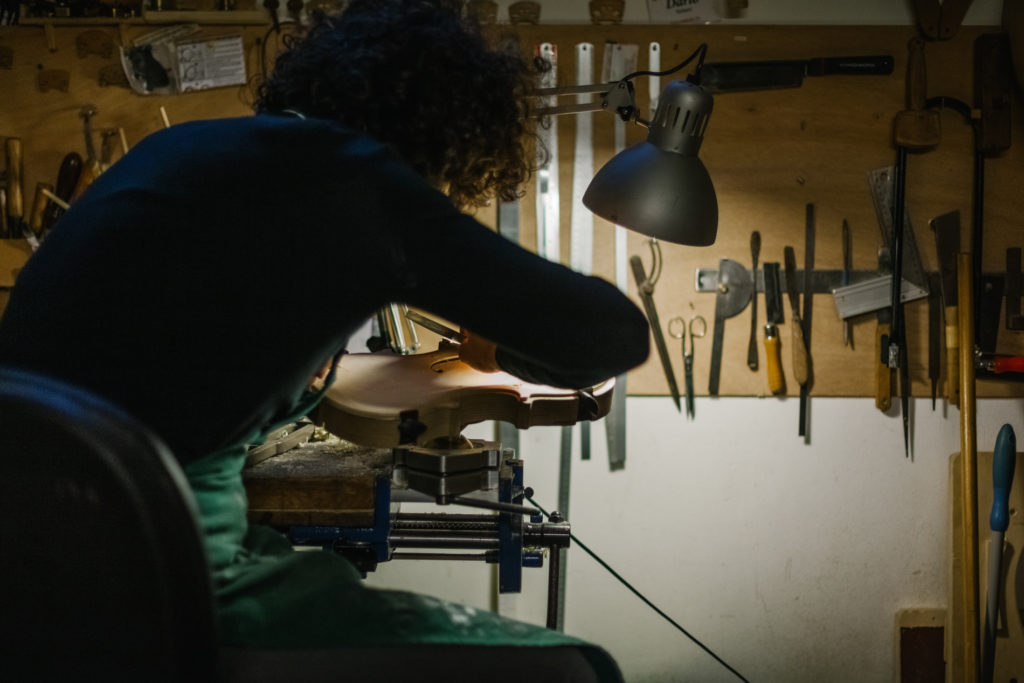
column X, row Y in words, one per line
column 581, row 226
column 548, row 240
column 876, row 293
column 618, row 62
column 654, row 82
column 508, row 227
column 581, row 242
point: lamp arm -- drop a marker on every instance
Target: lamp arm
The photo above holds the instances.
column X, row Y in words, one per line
column 615, row 97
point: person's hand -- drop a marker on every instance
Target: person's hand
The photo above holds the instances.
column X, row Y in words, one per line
column 477, row 352
column 316, row 383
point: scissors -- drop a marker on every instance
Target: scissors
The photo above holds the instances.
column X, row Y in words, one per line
column 696, row 328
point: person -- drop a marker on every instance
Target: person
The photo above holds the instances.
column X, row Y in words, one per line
column 207, row 276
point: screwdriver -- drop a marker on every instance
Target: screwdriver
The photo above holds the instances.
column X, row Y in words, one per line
column 1004, row 459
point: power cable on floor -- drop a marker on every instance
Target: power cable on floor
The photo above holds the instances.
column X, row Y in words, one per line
column 640, row 595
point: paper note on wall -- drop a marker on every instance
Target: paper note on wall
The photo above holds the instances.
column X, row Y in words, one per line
column 683, row 11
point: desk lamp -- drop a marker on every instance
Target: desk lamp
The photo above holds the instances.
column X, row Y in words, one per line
column 658, row 187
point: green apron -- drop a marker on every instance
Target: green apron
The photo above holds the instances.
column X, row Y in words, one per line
column 270, row 595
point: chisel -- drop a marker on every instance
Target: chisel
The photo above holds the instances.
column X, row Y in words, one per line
column 847, row 267
column 934, row 333
column 755, row 249
column 805, row 388
column 773, row 315
column 15, row 202
column 67, row 180
column 1004, row 460
column 796, row 327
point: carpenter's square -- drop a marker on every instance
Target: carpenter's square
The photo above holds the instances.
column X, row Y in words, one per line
column 735, row 290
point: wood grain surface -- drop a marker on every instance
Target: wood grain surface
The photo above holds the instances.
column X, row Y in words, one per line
column 769, row 153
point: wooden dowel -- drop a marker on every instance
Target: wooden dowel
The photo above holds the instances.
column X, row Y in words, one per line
column 969, row 470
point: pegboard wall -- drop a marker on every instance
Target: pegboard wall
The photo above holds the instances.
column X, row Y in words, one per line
column 770, row 154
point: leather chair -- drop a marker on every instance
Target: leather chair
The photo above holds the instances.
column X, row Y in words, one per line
column 104, row 576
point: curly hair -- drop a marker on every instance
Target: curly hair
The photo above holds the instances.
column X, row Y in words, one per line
column 419, row 77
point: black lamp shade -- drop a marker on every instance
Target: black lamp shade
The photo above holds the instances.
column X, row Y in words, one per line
column 659, row 187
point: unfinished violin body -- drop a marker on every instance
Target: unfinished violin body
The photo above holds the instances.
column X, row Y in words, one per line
column 386, row 400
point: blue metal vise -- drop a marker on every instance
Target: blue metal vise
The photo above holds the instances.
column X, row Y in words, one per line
column 459, row 477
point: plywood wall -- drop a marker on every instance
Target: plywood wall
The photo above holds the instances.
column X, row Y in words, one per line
column 770, row 154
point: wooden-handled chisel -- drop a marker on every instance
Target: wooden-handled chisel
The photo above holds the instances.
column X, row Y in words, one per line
column 91, row 167
column 39, row 203
column 773, row 314
column 67, row 181
column 15, row 202
column 800, row 365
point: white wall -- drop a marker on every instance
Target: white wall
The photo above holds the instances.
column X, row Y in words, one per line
column 788, row 560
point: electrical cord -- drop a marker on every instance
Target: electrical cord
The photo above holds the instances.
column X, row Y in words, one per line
column 640, row 595
column 701, row 50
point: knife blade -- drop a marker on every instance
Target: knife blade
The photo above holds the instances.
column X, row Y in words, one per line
column 796, row 326
column 774, row 317
column 776, row 74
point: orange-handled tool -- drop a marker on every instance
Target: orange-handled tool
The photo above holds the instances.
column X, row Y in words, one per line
column 773, row 314
column 1001, row 364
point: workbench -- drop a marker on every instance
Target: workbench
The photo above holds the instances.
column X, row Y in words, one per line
column 329, row 482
